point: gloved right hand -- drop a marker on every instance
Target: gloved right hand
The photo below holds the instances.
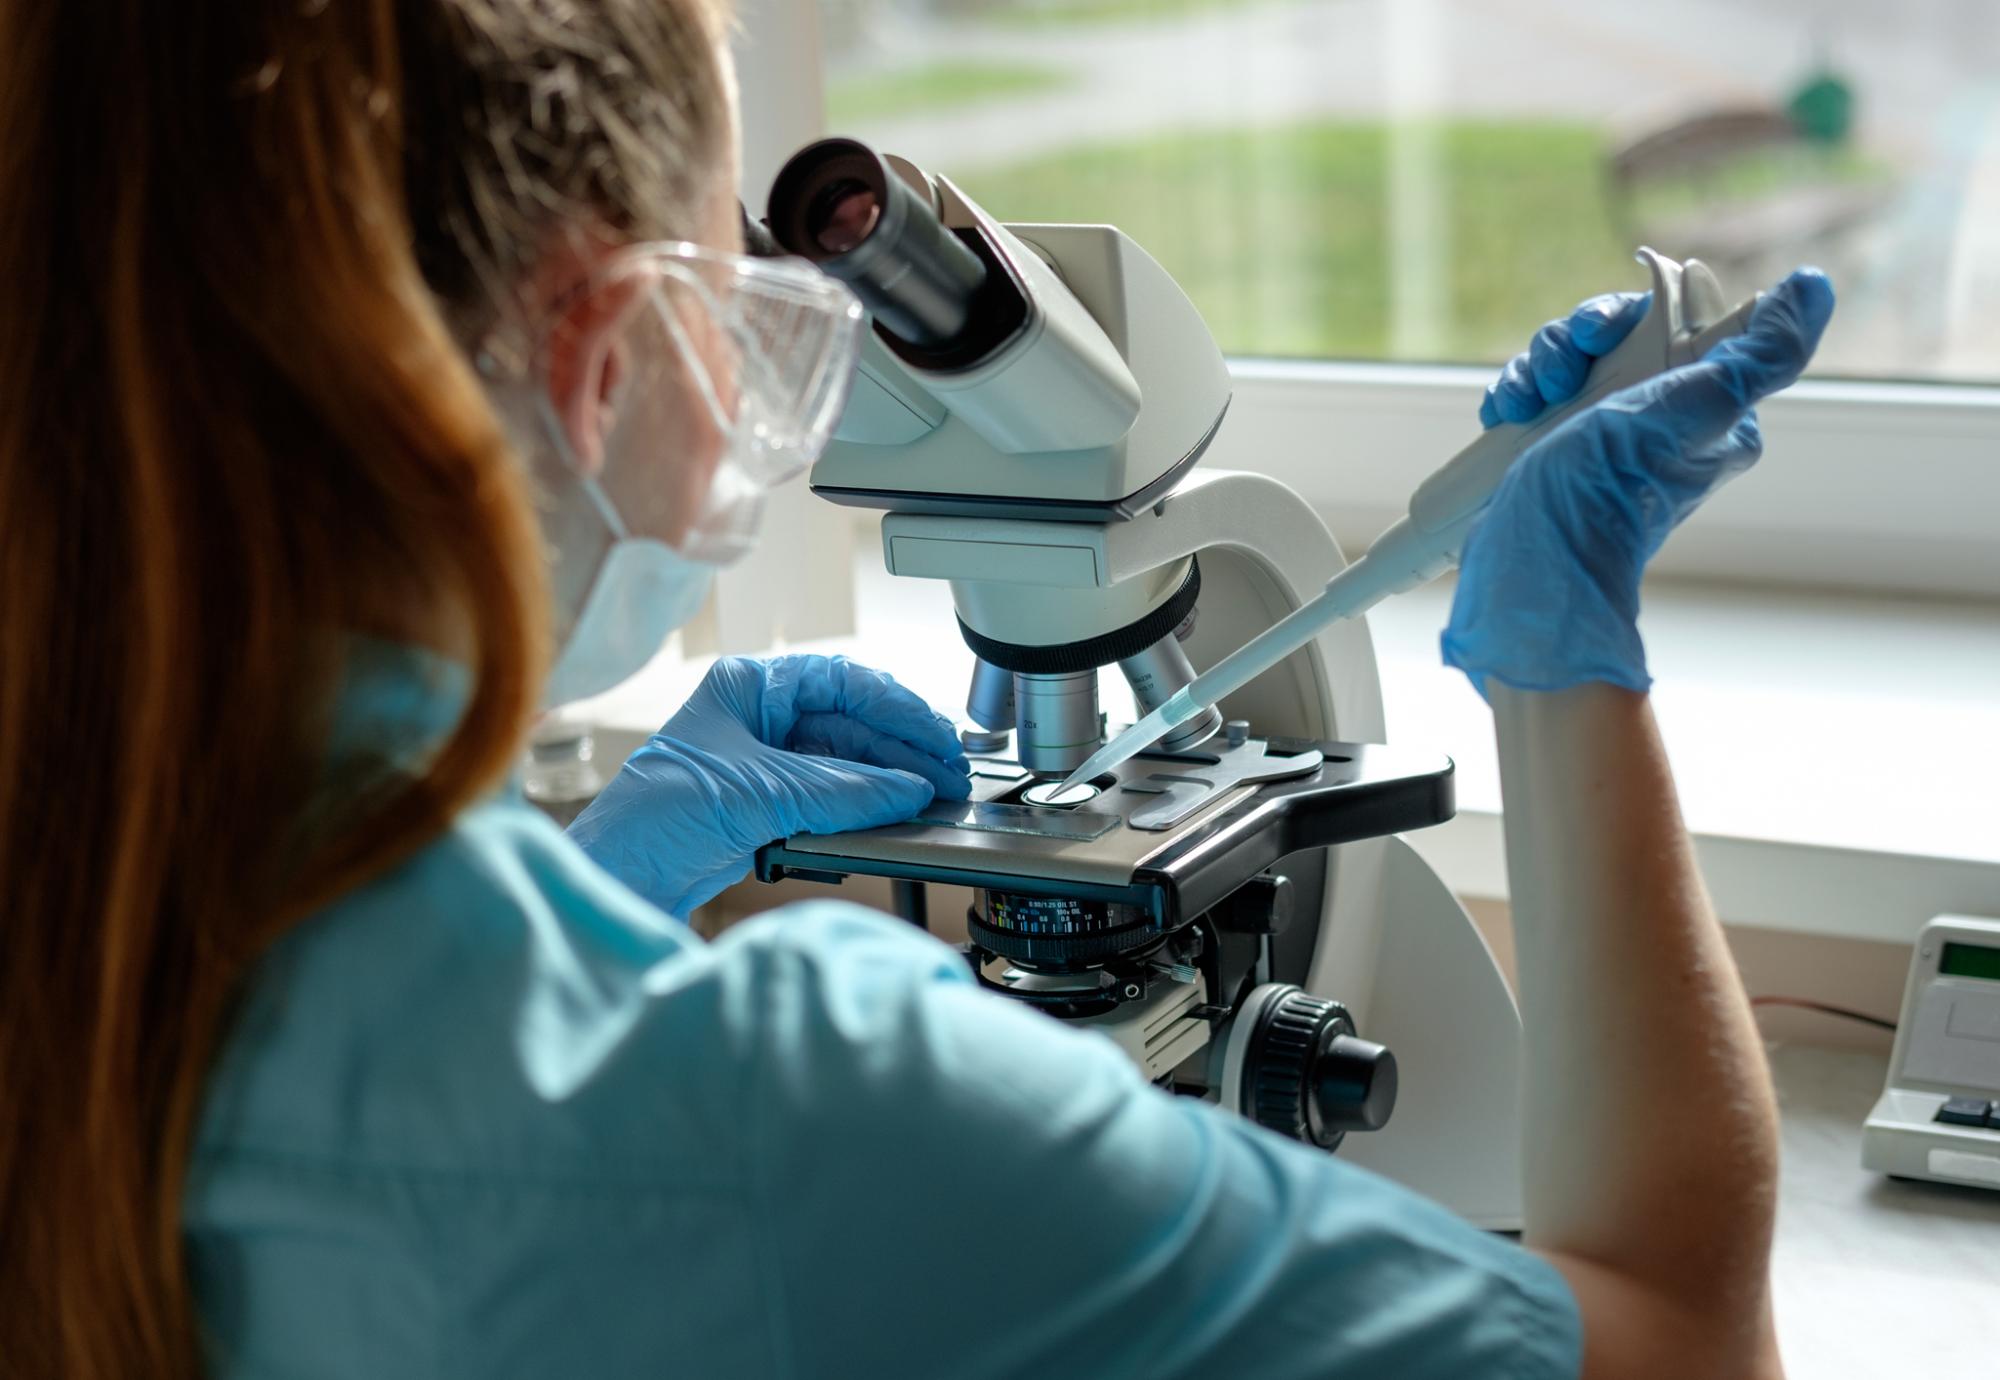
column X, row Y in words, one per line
column 1548, row 588
column 1558, row 359
column 763, row 750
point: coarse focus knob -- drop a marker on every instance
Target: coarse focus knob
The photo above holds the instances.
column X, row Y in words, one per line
column 1307, row 1075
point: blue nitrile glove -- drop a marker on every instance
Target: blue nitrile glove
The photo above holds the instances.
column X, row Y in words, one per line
column 1557, row 361
column 762, row 750
column 1548, row 588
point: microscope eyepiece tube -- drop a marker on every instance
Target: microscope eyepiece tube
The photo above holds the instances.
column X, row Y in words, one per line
column 1155, row 674
column 838, row 204
column 1058, row 724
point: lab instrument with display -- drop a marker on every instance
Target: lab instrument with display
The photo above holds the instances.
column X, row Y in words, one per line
column 1939, row 1115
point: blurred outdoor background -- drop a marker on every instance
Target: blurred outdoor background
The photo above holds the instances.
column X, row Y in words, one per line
column 1430, row 179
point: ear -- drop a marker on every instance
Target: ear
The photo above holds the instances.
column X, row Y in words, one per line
column 583, row 367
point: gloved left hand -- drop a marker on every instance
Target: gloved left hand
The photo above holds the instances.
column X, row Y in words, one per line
column 762, row 750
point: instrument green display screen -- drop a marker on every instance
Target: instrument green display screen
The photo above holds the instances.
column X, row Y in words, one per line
column 1970, row 960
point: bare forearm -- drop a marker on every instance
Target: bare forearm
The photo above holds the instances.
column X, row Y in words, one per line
column 1651, row 1152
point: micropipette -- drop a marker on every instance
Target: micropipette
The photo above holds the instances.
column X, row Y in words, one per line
column 1688, row 316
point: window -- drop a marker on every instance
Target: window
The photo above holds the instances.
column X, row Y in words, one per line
column 1373, row 200
column 1430, row 179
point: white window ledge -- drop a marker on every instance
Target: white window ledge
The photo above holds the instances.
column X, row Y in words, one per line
column 1838, row 755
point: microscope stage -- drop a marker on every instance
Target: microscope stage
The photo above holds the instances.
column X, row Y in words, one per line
column 1173, row 833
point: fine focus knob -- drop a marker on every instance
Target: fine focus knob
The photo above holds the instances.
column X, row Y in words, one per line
column 1308, row 1076
column 1355, row 1084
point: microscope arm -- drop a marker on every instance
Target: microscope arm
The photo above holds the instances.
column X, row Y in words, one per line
column 1650, row 1152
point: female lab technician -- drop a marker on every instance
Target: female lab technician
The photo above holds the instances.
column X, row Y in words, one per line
column 326, row 1056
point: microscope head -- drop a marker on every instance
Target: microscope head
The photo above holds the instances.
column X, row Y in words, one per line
column 1026, row 373
column 1035, row 370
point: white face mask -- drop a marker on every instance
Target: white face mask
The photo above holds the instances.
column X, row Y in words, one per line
column 643, row 591
column 745, row 359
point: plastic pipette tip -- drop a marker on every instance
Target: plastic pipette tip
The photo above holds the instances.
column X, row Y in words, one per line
column 1128, row 744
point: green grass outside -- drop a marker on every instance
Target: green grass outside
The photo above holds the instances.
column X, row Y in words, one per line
column 1281, row 237
column 940, row 86
column 1058, row 13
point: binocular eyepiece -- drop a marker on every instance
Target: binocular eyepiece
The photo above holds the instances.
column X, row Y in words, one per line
column 840, row 205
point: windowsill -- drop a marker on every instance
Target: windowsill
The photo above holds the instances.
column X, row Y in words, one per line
column 1838, row 755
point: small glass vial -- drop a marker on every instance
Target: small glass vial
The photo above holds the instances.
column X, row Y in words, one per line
column 560, row 776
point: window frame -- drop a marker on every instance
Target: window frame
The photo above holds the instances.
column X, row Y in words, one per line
column 1876, row 485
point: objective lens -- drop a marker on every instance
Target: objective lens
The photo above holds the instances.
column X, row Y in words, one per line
column 990, row 700
column 1057, row 721
column 1156, row 675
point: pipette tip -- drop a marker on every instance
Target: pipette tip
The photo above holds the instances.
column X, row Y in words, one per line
column 1128, row 744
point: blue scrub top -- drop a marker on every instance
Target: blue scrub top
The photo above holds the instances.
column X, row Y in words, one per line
column 493, row 1115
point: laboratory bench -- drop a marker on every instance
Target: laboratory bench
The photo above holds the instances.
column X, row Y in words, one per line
column 1875, row 1278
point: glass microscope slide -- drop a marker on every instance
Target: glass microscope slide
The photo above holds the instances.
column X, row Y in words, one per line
column 996, row 818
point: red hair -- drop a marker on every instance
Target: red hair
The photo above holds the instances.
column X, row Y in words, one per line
column 242, row 240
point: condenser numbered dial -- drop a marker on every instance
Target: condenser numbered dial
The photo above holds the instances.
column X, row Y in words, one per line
column 1055, row 914
column 1058, row 932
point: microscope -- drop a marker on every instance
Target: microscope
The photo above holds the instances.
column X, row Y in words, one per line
column 1234, row 907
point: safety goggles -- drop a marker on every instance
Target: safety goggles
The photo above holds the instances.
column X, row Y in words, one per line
column 694, row 382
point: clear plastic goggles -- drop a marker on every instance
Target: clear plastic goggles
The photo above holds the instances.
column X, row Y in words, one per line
column 694, row 381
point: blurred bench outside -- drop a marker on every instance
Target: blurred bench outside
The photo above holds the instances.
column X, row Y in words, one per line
column 1742, row 188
